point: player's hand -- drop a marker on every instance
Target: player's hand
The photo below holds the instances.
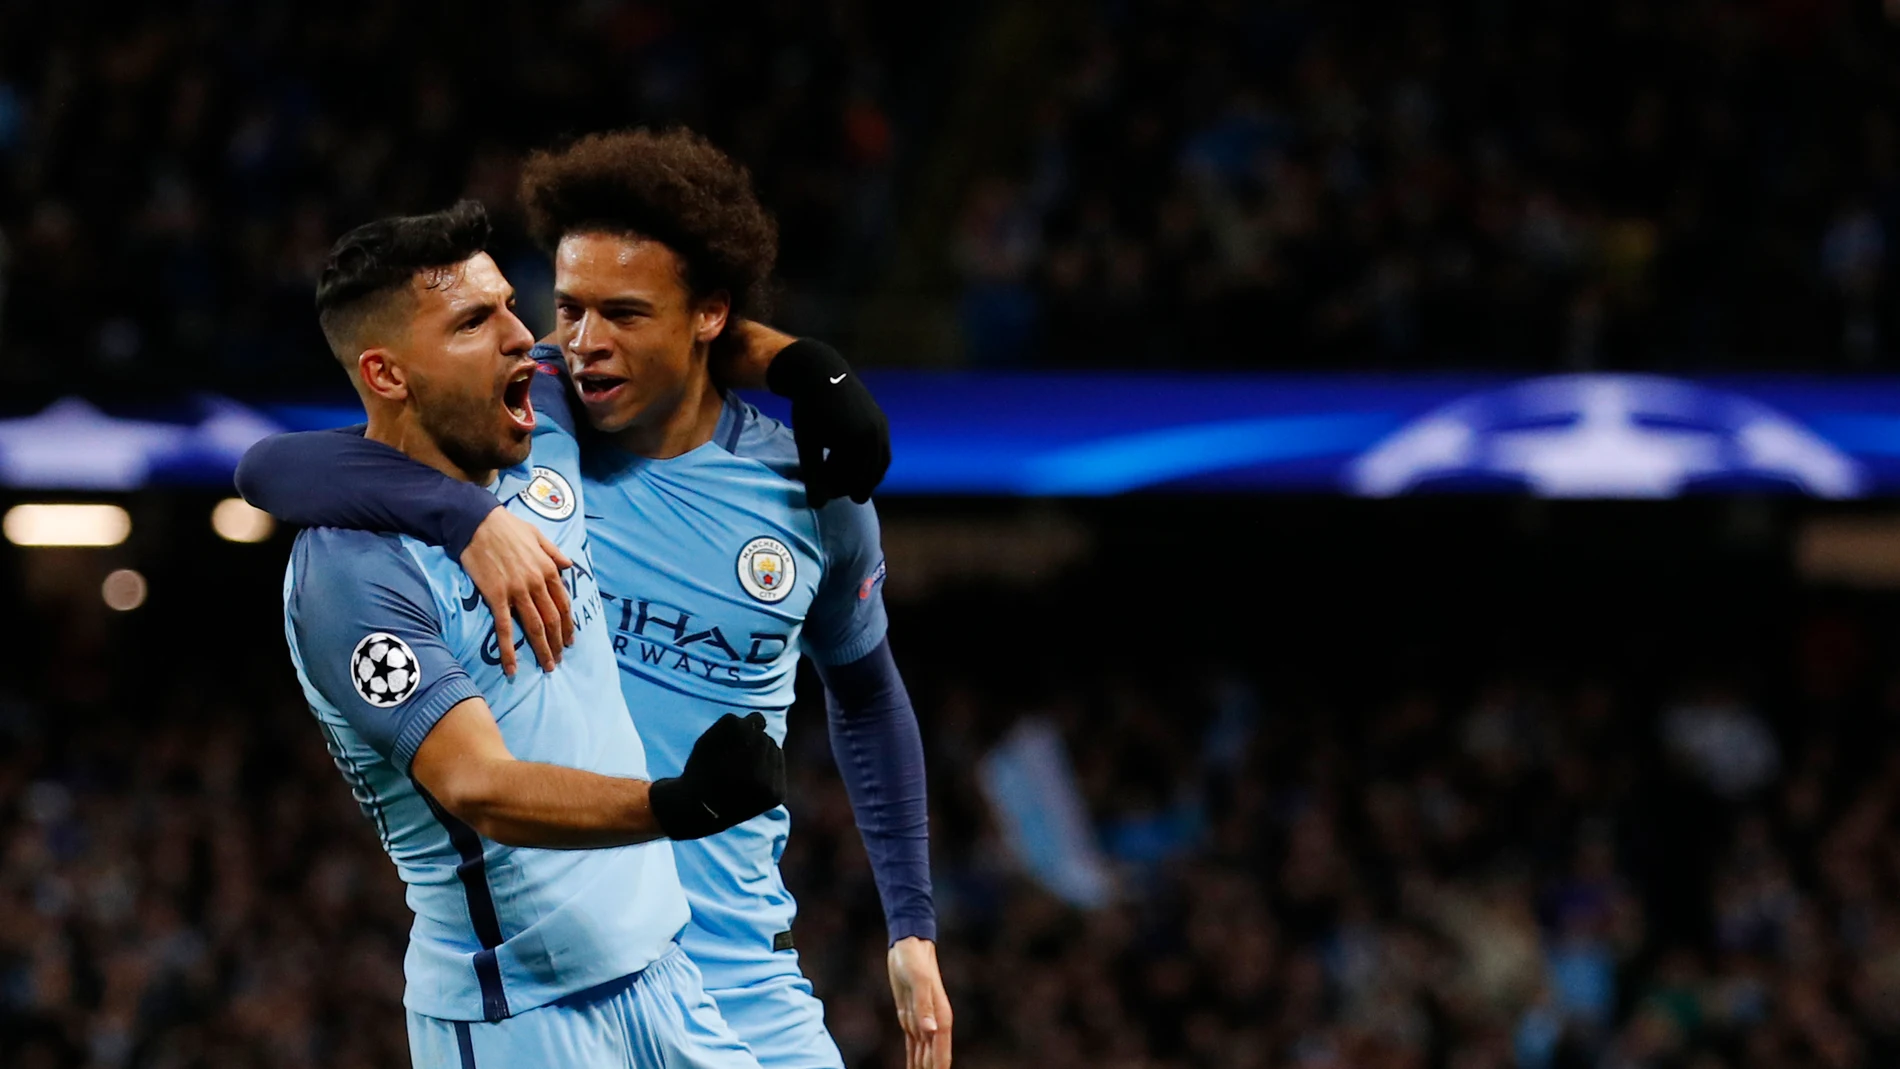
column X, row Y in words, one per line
column 734, row 773
column 517, row 571
column 844, row 441
column 923, row 1007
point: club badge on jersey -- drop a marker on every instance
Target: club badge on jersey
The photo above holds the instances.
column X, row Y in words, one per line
column 767, row 570
column 549, row 495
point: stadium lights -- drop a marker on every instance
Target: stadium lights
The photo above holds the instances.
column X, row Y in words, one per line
column 66, row 525
column 236, row 521
column 123, row 590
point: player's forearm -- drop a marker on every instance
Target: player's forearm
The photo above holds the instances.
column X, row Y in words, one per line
column 744, row 366
column 526, row 803
column 341, row 479
column 879, row 751
column 735, row 772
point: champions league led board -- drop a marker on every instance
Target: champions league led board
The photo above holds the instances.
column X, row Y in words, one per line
column 1040, row 434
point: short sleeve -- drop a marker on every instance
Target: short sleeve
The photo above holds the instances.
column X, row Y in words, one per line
column 369, row 637
column 847, row 617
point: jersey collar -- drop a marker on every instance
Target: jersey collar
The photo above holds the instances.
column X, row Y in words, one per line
column 732, row 420
column 606, row 461
column 511, row 481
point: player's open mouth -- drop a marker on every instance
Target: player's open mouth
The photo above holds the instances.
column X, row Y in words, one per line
column 514, row 398
column 596, row 388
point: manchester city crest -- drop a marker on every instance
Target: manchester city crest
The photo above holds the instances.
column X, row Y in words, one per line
column 766, row 569
column 549, row 495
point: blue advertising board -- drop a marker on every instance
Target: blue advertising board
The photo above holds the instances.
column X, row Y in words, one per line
column 1584, row 435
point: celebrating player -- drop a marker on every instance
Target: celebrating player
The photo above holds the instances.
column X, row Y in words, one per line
column 566, row 954
column 717, row 567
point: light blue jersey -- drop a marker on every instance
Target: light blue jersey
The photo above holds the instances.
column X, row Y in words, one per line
column 718, row 575
column 387, row 635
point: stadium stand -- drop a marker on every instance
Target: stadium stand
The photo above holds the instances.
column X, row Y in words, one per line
column 1133, row 185
column 1496, row 842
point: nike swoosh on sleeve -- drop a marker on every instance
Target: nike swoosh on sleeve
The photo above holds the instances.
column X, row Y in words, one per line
column 839, row 379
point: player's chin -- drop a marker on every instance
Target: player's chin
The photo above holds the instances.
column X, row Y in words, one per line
column 609, row 417
column 518, row 444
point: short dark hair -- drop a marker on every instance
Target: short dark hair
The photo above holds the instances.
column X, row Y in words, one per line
column 670, row 186
column 375, row 261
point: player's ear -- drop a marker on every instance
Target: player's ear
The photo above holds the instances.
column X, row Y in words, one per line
column 709, row 318
column 381, row 375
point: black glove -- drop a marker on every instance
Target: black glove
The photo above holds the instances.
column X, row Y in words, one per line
column 831, row 410
column 734, row 773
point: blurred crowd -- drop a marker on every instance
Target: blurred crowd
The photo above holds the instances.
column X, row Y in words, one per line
column 1539, row 872
column 1153, row 183
column 1523, row 874
column 172, row 174
column 1516, row 185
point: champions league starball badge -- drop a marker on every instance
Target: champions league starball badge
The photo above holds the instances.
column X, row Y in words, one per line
column 384, row 670
column 766, row 569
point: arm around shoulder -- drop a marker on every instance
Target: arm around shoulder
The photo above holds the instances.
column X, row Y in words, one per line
column 339, row 478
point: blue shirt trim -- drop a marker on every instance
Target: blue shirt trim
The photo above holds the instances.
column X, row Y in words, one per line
column 423, row 719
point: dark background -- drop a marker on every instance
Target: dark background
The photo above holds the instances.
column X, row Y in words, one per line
column 1453, row 783
column 1174, row 183
column 1372, row 776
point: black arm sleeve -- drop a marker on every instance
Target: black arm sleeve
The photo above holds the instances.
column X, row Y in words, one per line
column 880, row 754
column 341, row 479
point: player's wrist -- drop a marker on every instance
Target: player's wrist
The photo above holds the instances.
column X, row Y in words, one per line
column 805, row 365
column 735, row 772
column 679, row 810
column 922, row 929
column 463, row 524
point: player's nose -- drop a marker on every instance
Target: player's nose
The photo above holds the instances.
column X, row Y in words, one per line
column 588, row 337
column 516, row 338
